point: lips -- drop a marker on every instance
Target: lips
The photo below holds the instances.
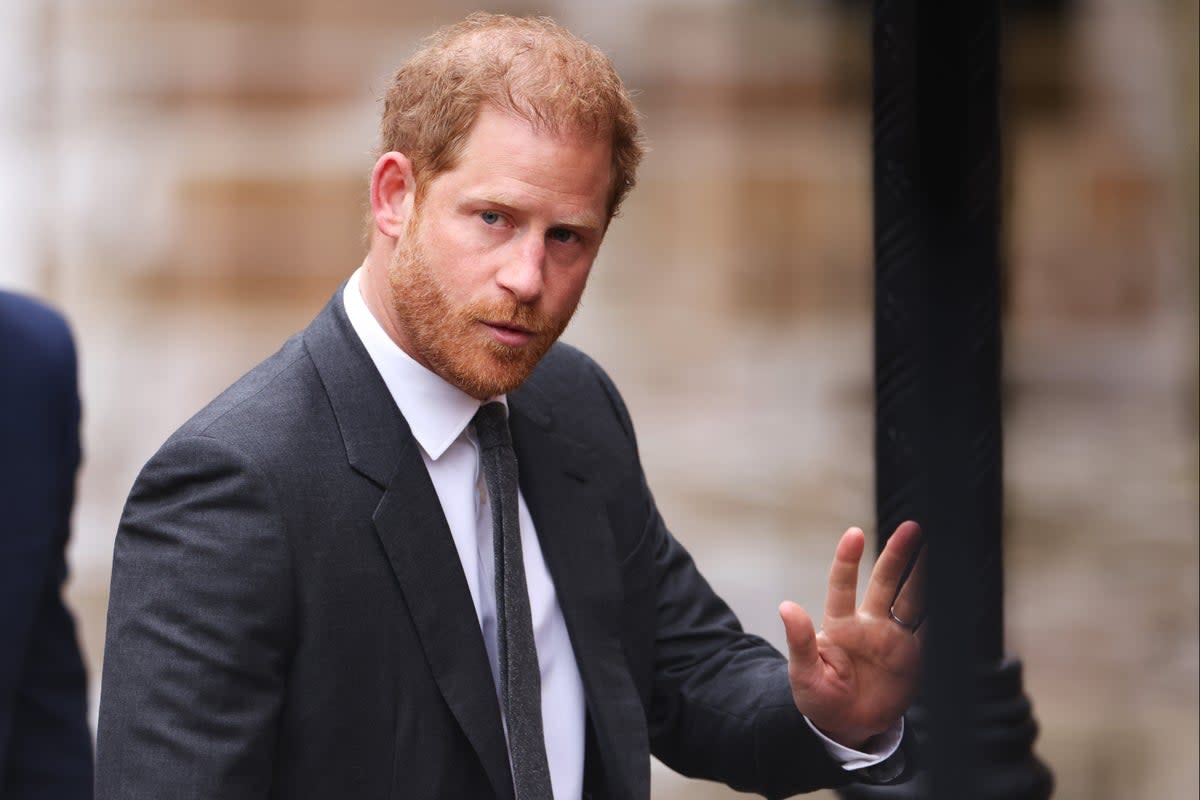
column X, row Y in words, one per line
column 509, row 334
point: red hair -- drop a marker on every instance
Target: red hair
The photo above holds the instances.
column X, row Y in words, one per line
column 530, row 67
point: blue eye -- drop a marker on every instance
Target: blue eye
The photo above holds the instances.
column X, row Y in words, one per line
column 489, row 217
column 561, row 235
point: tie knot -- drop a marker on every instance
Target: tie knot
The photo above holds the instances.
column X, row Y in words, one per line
column 491, row 426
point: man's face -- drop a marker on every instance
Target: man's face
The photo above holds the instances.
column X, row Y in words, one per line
column 497, row 252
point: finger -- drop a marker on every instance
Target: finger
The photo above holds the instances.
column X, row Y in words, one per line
column 803, row 655
column 909, row 604
column 889, row 568
column 843, row 575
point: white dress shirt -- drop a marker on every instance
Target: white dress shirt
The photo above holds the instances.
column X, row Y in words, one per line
column 439, row 416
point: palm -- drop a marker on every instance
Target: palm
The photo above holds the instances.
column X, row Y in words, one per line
column 857, row 675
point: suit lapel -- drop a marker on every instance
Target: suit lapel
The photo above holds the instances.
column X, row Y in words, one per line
column 414, row 534
column 573, row 530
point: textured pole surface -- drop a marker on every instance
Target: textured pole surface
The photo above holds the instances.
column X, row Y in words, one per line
column 938, row 365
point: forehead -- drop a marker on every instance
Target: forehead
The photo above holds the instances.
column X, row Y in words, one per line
column 508, row 156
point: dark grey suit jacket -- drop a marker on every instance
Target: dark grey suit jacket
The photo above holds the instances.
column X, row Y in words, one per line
column 289, row 617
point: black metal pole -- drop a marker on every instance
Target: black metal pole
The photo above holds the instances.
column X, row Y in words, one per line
column 938, row 361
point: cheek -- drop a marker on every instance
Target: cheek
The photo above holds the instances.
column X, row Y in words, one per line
column 564, row 294
column 459, row 271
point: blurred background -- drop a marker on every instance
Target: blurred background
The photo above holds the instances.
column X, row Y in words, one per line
column 186, row 180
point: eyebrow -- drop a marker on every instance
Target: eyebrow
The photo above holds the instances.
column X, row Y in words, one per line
column 585, row 221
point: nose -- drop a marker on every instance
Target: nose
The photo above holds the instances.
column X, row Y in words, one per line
column 522, row 274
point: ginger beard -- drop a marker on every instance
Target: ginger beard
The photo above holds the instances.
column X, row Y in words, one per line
column 450, row 340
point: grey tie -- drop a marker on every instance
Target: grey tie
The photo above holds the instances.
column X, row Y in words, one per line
column 520, row 678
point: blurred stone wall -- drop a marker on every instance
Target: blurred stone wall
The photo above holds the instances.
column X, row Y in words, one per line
column 186, row 178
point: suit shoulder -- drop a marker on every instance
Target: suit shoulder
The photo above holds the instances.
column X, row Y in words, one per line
column 568, row 375
column 258, row 402
column 32, row 334
column 565, row 366
column 572, row 382
column 273, row 412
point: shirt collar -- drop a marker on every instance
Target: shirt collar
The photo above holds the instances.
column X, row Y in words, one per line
column 436, row 411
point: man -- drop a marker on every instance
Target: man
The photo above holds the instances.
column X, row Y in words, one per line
column 313, row 586
column 45, row 746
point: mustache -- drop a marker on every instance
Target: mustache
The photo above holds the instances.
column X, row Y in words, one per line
column 515, row 315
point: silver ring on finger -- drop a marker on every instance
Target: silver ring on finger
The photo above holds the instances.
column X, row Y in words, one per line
column 911, row 627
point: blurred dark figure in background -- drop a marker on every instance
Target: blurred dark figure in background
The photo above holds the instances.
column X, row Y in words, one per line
column 45, row 747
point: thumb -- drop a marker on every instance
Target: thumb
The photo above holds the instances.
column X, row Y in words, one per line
column 803, row 656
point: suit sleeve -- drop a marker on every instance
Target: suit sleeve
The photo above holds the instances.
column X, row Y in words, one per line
column 46, row 748
column 199, row 630
column 721, row 706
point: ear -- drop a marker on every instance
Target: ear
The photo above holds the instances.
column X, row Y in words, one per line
column 393, row 192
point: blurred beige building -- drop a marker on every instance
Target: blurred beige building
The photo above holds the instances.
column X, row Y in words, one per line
column 186, row 179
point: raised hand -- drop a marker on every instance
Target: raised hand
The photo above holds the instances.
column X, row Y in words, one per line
column 857, row 675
